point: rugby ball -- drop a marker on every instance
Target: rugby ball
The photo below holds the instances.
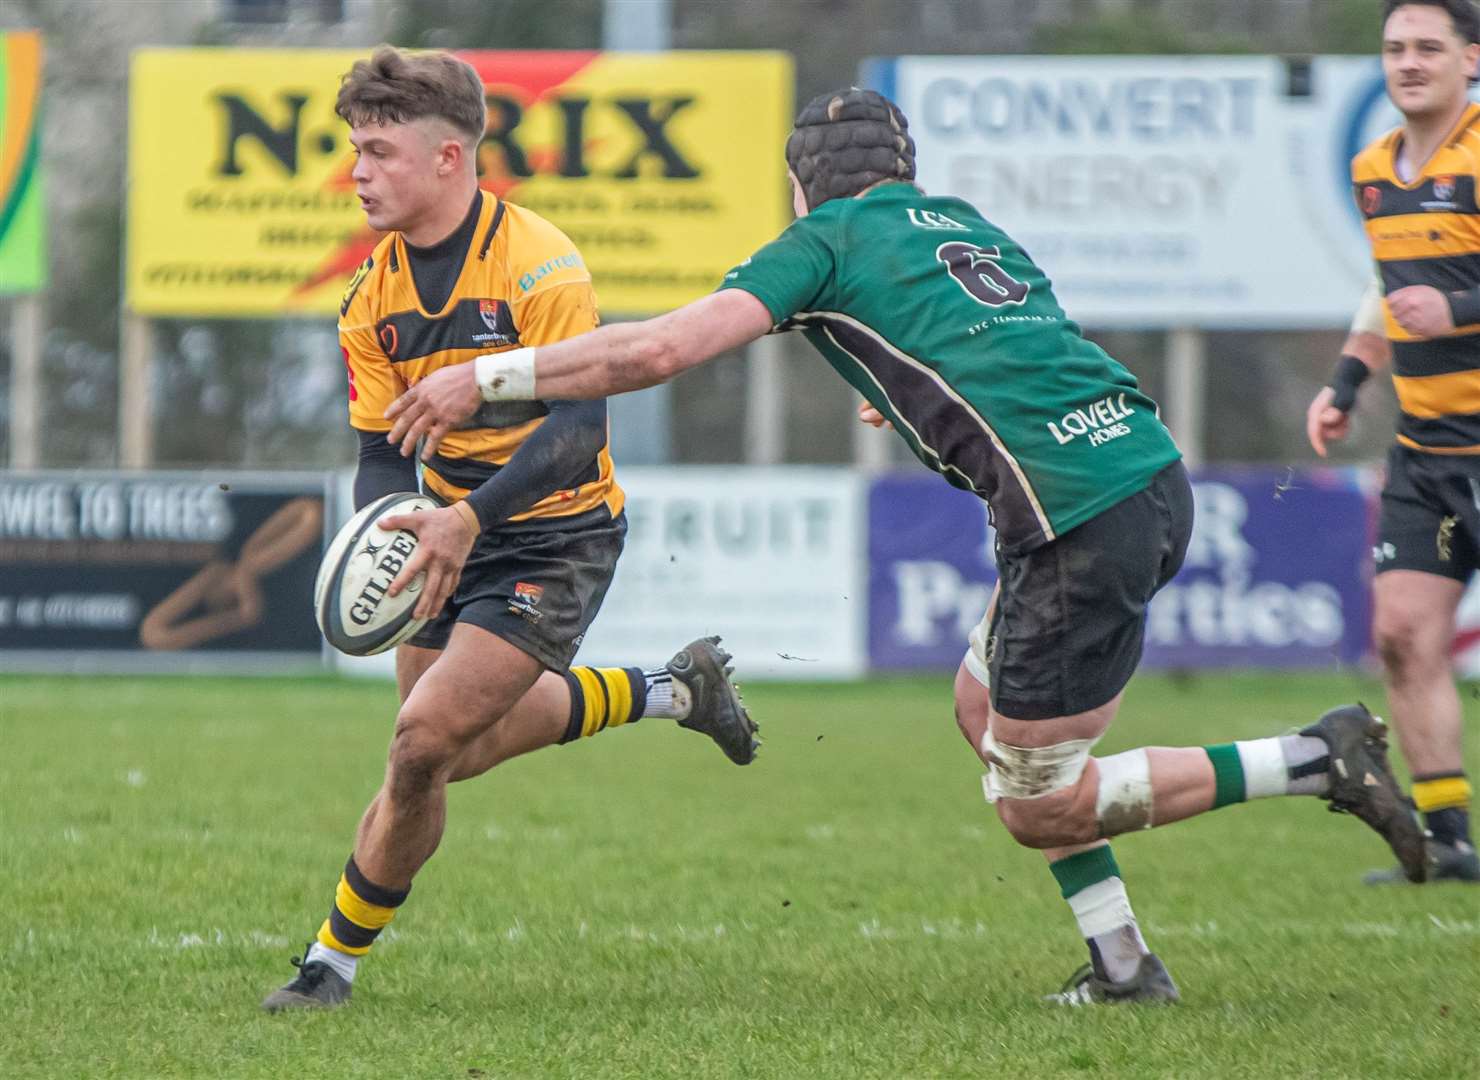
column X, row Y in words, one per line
column 350, row 602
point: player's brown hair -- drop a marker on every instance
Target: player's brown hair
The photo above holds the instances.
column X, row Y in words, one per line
column 1462, row 13
column 395, row 87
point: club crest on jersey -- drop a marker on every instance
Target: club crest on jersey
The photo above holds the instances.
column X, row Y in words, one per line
column 1444, row 188
column 1371, row 200
column 526, row 600
column 499, row 322
column 488, row 310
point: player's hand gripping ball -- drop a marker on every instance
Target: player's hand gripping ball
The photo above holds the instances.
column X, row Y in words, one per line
column 350, row 598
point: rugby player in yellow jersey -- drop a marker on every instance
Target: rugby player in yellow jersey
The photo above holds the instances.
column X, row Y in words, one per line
column 520, row 555
column 1416, row 187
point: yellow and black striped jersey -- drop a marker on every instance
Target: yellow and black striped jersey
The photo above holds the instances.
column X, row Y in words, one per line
column 522, row 283
column 1426, row 231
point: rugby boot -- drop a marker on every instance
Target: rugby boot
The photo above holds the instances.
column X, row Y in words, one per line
column 715, row 707
column 316, row 986
column 1447, row 862
column 1151, row 985
column 1364, row 785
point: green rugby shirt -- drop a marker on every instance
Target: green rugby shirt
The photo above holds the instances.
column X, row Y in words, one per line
column 947, row 328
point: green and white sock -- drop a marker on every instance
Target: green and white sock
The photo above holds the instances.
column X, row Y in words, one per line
column 1263, row 768
column 1090, row 881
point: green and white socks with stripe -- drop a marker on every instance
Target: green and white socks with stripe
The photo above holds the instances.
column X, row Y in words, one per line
column 1261, row 768
column 1090, row 881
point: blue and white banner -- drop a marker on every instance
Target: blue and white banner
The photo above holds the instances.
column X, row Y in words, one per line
column 1276, row 576
column 1209, row 191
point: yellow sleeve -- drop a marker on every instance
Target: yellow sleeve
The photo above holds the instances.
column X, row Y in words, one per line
column 373, row 382
column 556, row 312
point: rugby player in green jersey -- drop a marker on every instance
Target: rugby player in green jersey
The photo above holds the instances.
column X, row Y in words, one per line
column 953, row 336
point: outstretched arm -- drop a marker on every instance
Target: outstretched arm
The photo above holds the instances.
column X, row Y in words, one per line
column 631, row 356
column 611, row 360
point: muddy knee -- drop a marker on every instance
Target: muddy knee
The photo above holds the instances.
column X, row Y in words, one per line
column 421, row 755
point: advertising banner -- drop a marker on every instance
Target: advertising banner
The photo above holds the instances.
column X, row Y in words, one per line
column 159, row 571
column 665, row 169
column 22, row 204
column 1160, row 191
column 1277, row 574
column 770, row 558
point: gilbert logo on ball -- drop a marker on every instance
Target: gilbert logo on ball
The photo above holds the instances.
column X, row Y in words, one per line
column 352, row 601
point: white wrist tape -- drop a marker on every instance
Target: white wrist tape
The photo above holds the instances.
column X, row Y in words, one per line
column 506, row 376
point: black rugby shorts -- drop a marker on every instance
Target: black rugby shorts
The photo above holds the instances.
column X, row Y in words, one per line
column 1069, row 624
column 1430, row 517
column 537, row 587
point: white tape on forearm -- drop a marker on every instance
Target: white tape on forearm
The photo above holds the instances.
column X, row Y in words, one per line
column 506, row 376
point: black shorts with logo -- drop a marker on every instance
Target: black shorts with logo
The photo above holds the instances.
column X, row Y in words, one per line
column 1066, row 632
column 535, row 586
column 1430, row 518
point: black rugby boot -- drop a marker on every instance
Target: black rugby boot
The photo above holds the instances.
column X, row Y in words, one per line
column 1363, row 784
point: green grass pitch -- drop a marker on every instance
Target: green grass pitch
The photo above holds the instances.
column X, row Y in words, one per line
column 635, row 906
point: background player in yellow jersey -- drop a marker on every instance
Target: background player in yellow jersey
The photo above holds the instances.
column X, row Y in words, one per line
column 519, row 558
column 1417, row 189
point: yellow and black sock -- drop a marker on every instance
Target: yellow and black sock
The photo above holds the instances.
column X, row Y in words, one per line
column 1444, row 801
column 602, row 698
column 361, row 911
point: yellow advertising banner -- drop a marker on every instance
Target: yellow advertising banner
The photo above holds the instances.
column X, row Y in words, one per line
column 666, row 169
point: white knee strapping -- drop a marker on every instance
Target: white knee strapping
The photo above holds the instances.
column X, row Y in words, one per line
column 1023, row 772
column 1123, row 803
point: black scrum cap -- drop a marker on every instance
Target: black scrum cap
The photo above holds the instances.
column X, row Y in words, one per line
column 846, row 141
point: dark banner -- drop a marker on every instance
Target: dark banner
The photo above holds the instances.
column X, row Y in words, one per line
column 139, row 566
column 1277, row 575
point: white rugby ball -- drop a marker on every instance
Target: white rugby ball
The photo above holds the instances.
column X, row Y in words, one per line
column 350, row 601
